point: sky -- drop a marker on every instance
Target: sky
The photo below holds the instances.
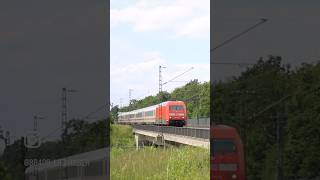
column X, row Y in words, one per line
column 292, row 31
column 148, row 33
column 45, row 46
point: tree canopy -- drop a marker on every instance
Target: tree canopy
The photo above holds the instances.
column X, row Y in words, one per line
column 237, row 102
column 196, row 95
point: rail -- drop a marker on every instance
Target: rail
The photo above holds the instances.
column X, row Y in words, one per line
column 182, row 131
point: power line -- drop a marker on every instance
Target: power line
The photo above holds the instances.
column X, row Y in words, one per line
column 262, row 20
column 97, row 110
column 179, row 75
column 160, row 81
column 143, row 95
column 51, row 133
column 233, row 63
column 317, row 88
column 87, row 116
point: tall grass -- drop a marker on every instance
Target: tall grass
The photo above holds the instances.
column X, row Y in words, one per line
column 121, row 136
column 158, row 163
column 148, row 163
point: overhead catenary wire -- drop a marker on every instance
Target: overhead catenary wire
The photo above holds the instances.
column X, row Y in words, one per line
column 262, row 21
column 97, row 110
column 178, row 75
column 86, row 117
column 171, row 80
column 317, row 88
column 233, row 63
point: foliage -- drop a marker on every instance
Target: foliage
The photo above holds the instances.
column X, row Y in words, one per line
column 114, row 114
column 4, row 175
column 80, row 136
column 121, row 136
column 154, row 163
column 195, row 94
column 237, row 102
column 12, row 161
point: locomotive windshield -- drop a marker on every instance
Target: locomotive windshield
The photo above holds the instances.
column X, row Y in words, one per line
column 176, row 107
column 223, row 146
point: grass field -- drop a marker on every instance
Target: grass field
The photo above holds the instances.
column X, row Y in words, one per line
column 155, row 163
column 121, row 136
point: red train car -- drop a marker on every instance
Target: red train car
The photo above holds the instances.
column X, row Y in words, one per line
column 227, row 158
column 172, row 113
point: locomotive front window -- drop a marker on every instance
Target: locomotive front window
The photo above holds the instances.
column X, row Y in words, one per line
column 177, row 107
column 223, row 146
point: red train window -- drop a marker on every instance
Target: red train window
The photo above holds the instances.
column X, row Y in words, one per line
column 176, row 107
column 223, row 146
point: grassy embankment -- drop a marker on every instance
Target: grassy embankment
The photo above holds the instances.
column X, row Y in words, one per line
column 154, row 163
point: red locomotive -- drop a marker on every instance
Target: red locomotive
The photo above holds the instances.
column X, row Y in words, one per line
column 171, row 113
column 227, row 161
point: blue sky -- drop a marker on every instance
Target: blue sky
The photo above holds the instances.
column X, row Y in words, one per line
column 149, row 33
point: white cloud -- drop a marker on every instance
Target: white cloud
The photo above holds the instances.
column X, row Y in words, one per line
column 139, row 76
column 199, row 71
column 133, row 67
column 143, row 76
column 150, row 60
column 196, row 27
column 182, row 17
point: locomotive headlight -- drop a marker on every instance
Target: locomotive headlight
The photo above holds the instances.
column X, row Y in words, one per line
column 234, row 176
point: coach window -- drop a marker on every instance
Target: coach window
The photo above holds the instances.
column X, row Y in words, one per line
column 139, row 114
column 149, row 113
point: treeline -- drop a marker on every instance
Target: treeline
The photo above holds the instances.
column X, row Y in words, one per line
column 196, row 95
column 79, row 136
column 276, row 109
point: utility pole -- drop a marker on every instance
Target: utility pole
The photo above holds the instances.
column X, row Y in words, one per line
column 1, row 133
column 130, row 95
column 120, row 105
column 160, row 78
column 160, row 90
column 7, row 138
column 35, row 122
column 64, row 110
column 23, row 151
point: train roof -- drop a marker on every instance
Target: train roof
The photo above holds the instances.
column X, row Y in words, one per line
column 84, row 157
column 149, row 108
column 223, row 131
